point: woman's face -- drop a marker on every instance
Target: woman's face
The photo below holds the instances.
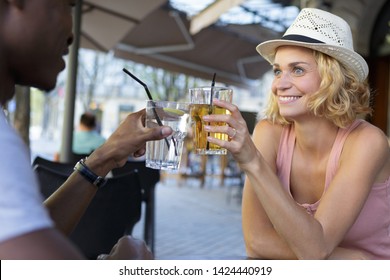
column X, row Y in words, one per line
column 295, row 78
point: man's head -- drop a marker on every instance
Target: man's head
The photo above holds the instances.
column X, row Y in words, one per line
column 34, row 36
column 87, row 121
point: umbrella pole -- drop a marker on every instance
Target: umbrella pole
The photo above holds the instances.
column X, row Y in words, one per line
column 71, row 86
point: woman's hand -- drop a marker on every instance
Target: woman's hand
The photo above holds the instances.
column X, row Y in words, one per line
column 240, row 143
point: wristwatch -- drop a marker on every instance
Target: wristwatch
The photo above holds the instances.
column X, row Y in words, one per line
column 88, row 174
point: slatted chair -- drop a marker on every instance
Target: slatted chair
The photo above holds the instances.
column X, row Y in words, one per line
column 76, row 157
column 112, row 213
column 65, row 168
column 148, row 179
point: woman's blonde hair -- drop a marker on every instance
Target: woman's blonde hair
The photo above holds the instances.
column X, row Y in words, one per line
column 341, row 97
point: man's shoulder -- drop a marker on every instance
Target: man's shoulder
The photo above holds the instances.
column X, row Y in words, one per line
column 89, row 138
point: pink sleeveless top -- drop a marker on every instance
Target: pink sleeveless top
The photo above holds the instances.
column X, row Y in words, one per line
column 371, row 230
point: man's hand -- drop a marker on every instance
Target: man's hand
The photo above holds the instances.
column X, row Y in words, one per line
column 129, row 248
column 129, row 139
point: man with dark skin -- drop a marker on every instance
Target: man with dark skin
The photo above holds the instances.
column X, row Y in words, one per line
column 34, row 35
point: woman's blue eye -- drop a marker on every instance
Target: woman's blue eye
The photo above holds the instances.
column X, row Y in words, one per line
column 277, row 72
column 298, row 71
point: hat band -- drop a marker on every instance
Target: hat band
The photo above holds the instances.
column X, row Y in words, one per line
column 301, row 38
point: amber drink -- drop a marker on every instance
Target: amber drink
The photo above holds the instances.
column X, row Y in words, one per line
column 201, row 98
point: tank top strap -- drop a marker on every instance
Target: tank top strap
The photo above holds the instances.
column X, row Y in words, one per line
column 337, row 148
column 285, row 154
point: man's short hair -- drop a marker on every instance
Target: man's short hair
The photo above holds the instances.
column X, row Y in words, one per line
column 88, row 119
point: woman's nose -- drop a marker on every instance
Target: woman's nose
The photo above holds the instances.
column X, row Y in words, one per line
column 282, row 81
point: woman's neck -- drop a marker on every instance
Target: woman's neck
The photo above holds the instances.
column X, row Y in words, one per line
column 315, row 137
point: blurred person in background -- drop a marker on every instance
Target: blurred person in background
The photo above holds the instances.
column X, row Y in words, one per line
column 85, row 138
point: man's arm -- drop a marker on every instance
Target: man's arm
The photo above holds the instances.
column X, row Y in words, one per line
column 70, row 201
column 42, row 244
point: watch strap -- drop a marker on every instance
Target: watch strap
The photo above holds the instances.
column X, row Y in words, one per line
column 88, row 174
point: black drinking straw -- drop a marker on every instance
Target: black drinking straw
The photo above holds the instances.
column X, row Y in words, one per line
column 141, row 82
column 211, row 105
column 212, row 93
column 151, row 99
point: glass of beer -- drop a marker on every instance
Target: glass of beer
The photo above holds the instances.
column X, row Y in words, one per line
column 201, row 104
column 166, row 154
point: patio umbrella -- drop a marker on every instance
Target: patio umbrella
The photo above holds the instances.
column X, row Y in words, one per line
column 162, row 39
column 99, row 25
column 105, row 23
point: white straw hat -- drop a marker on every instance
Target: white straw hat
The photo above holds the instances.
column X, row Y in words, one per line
column 322, row 31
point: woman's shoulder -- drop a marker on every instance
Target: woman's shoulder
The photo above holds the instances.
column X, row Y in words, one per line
column 267, row 130
column 368, row 137
column 366, row 132
column 369, row 144
column 267, row 135
column 268, row 127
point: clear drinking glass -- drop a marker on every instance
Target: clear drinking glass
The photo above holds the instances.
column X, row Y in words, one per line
column 166, row 154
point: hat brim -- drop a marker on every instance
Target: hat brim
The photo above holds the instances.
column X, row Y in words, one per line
column 348, row 58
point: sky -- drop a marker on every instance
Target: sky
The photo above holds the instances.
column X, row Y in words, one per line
column 264, row 12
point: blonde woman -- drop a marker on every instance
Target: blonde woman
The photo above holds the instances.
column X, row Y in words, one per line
column 318, row 175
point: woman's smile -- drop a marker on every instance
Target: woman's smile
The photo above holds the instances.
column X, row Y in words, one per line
column 288, row 99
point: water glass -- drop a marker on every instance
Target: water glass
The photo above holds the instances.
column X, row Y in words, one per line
column 166, row 154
